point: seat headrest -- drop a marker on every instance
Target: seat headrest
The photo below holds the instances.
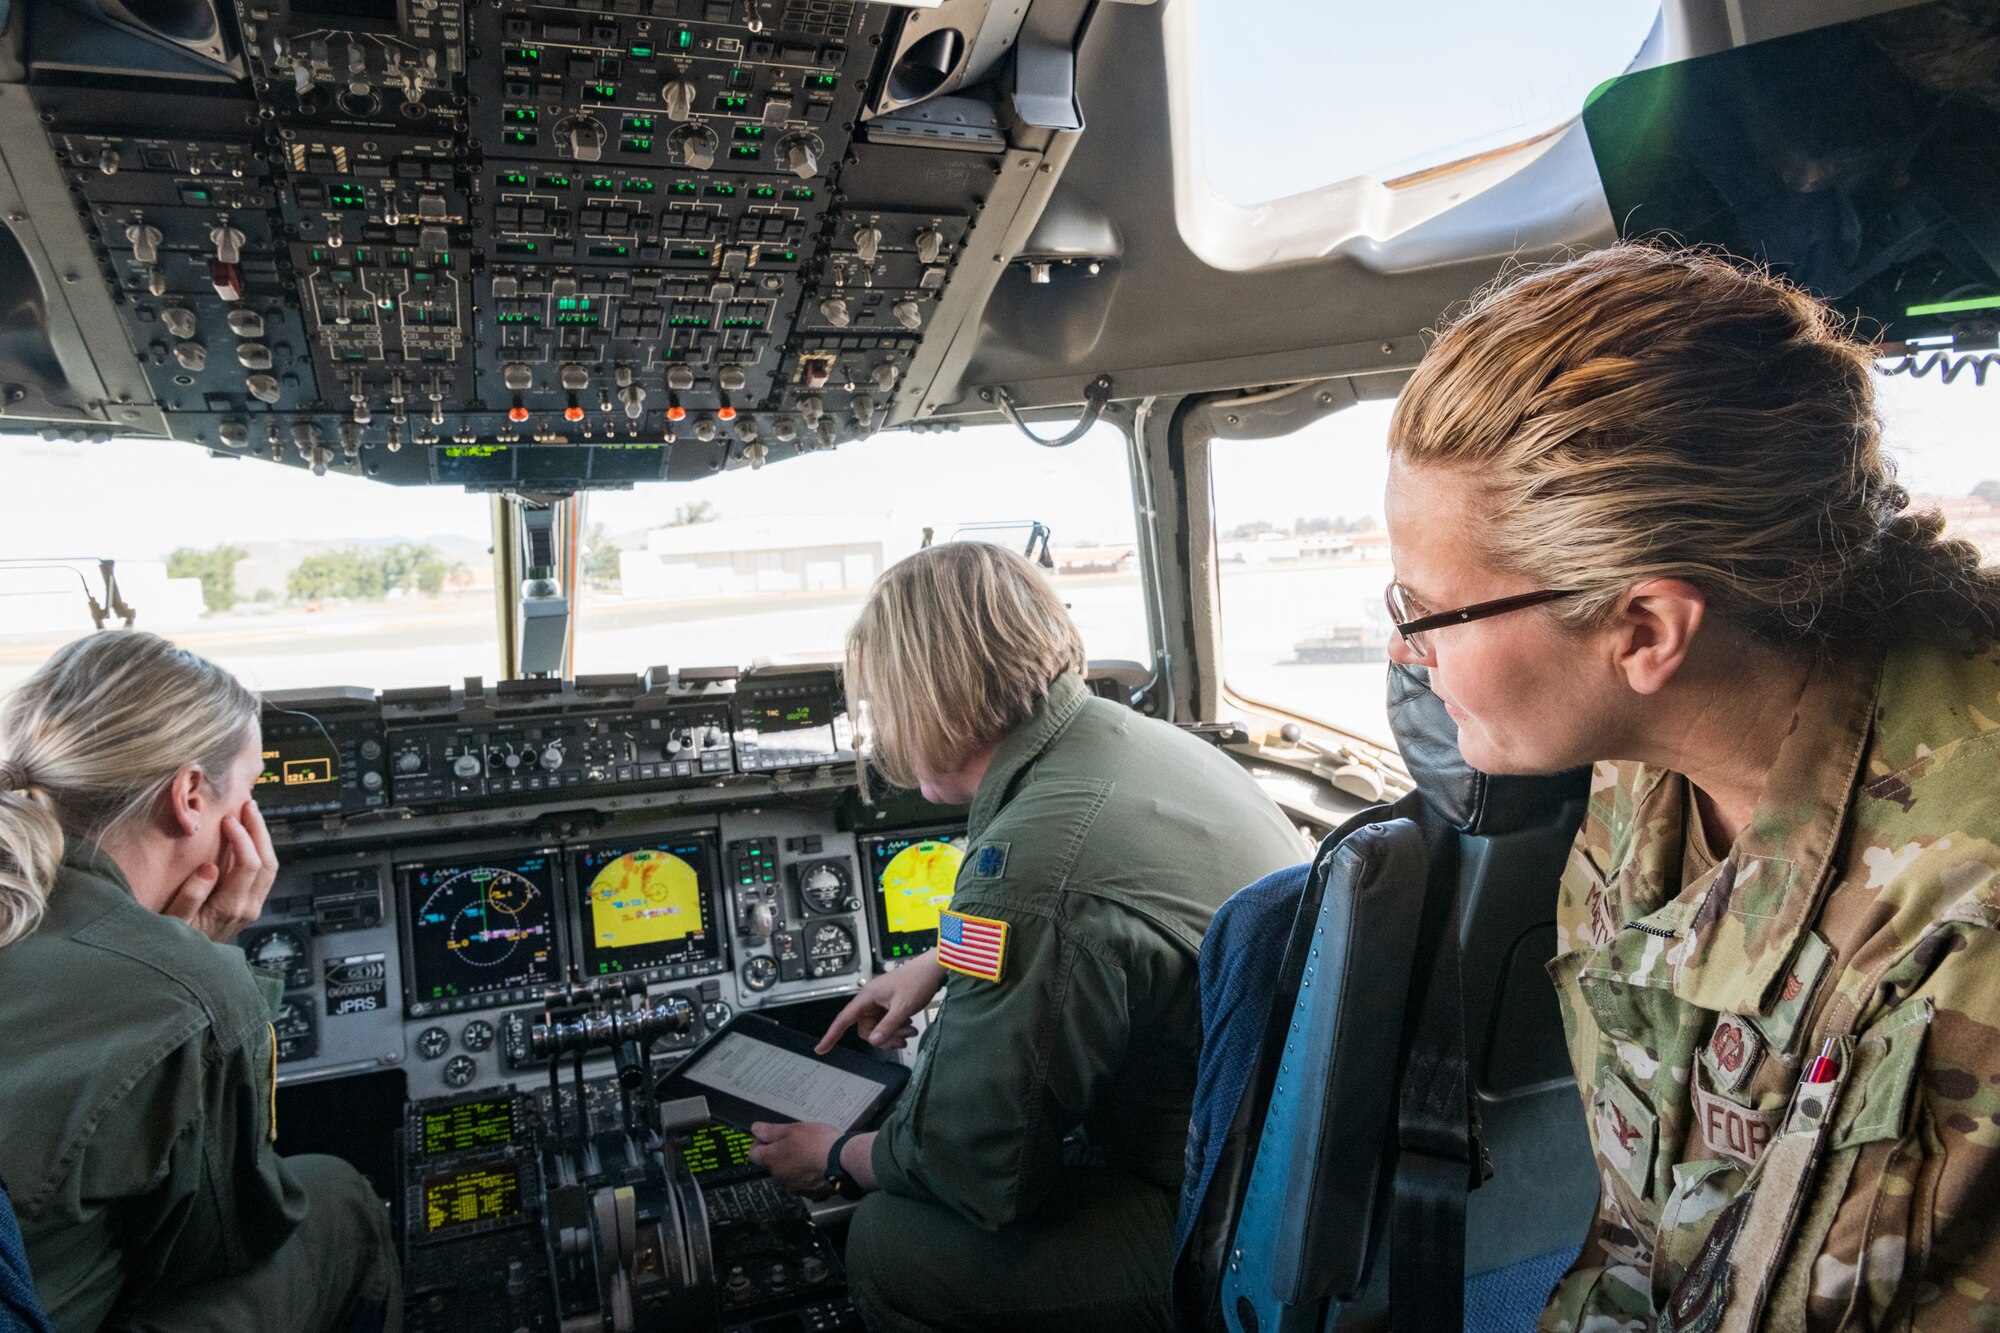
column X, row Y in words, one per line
column 1472, row 801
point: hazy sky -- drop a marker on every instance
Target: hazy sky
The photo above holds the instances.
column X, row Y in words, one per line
column 1408, row 85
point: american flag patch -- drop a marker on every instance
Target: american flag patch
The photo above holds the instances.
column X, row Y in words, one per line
column 974, row 945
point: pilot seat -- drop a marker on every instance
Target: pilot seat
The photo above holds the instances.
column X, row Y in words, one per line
column 1386, row 1129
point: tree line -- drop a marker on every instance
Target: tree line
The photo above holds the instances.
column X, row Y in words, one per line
column 354, row 573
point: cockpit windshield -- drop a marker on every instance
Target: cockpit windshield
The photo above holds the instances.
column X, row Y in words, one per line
column 294, row 580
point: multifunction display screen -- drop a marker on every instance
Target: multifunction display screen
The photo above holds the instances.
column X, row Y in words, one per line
column 474, row 1194
column 911, row 877
column 479, row 927
column 650, row 905
column 716, row 1148
column 482, row 1124
column 789, row 726
column 789, row 715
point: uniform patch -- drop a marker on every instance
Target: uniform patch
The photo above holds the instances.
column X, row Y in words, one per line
column 989, row 861
column 974, row 945
column 1781, row 1025
column 1702, row 1294
column 1624, row 1128
column 1733, row 1051
column 1736, row 1132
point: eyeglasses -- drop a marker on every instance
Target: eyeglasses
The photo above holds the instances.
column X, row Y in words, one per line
column 1404, row 611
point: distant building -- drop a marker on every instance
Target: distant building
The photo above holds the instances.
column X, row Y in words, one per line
column 1092, row 559
column 1369, row 545
column 738, row 557
column 1325, row 546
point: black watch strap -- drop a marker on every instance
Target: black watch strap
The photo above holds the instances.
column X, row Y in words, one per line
column 843, row 1182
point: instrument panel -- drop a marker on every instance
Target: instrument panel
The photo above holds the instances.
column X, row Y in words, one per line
column 449, row 856
column 732, row 910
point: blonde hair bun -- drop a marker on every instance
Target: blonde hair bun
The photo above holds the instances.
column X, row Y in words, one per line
column 1644, row 412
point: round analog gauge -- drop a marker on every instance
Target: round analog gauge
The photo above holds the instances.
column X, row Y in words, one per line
column 715, row 1013
column 297, row 1039
column 295, row 1018
column 688, row 1035
column 460, row 1071
column 477, row 1035
column 830, row 950
column 283, row 951
column 824, row 887
column 433, row 1042
column 760, row 972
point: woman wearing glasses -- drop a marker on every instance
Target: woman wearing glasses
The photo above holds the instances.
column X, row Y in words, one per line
column 1641, row 518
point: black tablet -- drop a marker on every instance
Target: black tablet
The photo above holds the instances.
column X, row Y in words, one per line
column 755, row 1069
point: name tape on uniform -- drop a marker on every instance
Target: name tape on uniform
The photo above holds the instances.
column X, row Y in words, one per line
column 974, row 945
column 1733, row 1131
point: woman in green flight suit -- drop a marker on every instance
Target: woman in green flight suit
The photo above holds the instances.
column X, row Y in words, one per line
column 139, row 1097
column 1099, row 844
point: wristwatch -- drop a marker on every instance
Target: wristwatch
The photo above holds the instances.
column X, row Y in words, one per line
column 843, row 1182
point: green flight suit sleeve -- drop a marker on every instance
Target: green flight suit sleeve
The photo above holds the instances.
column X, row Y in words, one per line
column 221, row 1199
column 1008, row 1069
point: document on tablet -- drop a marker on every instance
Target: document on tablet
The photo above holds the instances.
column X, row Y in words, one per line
column 790, row 1084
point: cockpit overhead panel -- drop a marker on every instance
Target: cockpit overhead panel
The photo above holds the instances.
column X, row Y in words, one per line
column 511, row 245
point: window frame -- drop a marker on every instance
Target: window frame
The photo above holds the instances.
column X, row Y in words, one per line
column 1362, row 212
column 1189, row 437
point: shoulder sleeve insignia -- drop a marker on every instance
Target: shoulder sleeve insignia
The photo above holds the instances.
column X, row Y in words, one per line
column 990, row 861
column 973, row 945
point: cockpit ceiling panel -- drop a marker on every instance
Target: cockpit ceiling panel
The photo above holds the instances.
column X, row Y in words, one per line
column 509, row 245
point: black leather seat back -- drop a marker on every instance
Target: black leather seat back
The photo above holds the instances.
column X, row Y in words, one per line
column 1514, row 835
column 1317, row 1124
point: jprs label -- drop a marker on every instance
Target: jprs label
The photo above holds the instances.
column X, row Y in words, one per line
column 357, row 985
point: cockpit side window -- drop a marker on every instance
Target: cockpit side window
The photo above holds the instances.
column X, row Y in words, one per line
column 1303, row 557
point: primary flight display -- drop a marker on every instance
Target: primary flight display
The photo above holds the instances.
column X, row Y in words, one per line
column 912, row 877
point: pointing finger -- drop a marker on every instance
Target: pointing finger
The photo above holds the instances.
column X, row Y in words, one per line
column 843, row 1020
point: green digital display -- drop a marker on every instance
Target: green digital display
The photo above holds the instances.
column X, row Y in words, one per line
column 476, row 1194
column 716, row 1147
column 483, row 1124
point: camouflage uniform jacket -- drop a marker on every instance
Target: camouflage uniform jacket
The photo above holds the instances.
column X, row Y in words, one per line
column 1747, row 1183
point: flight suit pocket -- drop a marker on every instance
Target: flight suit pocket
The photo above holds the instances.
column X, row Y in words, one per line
column 1701, row 1190
column 1873, row 1218
column 1886, row 1061
column 1626, row 1129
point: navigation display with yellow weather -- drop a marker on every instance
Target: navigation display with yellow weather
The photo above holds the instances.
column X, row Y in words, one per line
column 913, row 877
column 649, row 908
